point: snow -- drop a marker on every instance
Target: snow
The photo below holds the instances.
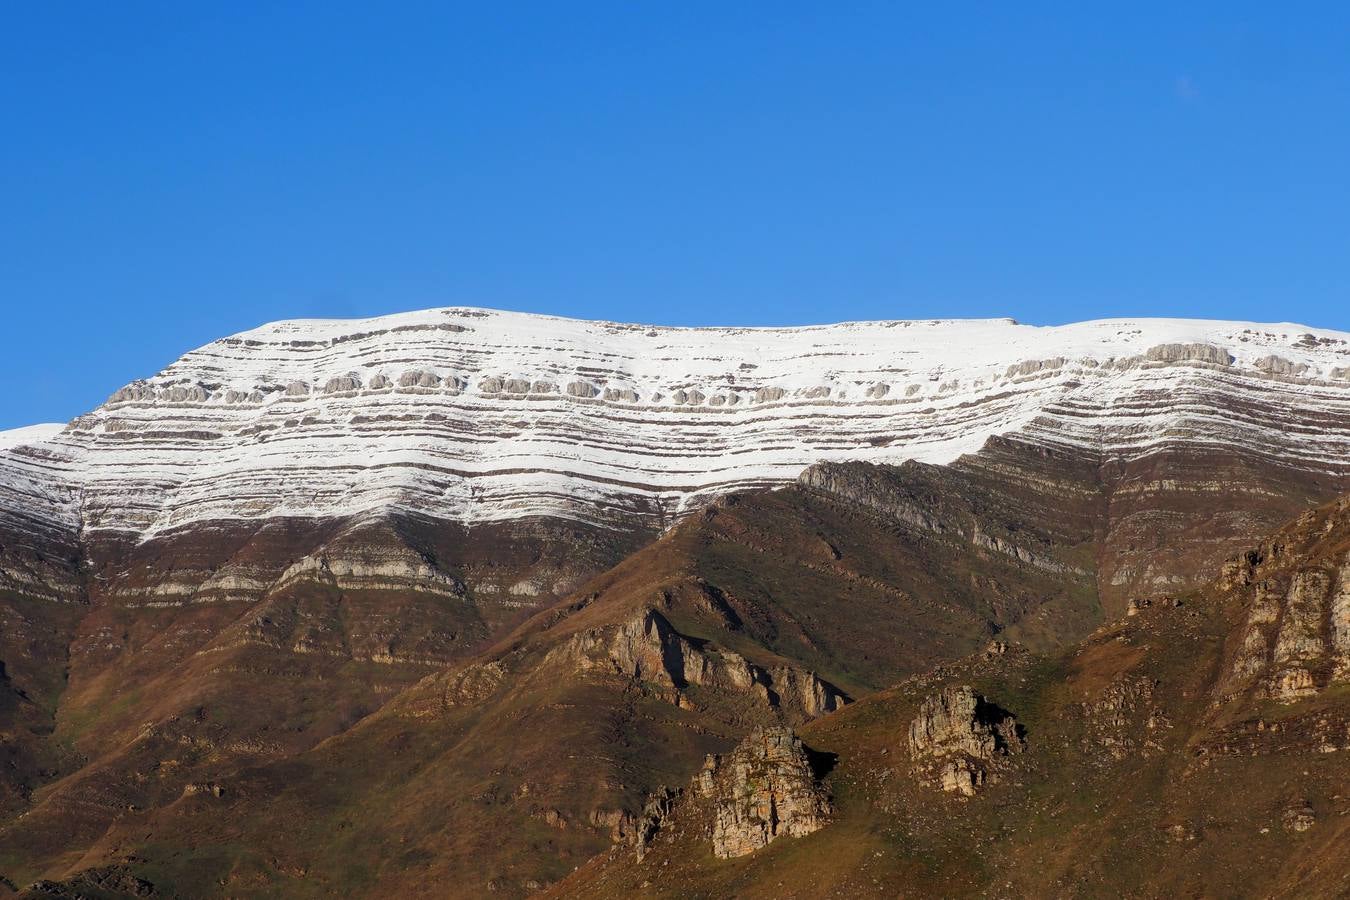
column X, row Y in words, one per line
column 217, row 435
column 29, row 434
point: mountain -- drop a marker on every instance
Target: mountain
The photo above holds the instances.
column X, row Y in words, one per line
column 332, row 606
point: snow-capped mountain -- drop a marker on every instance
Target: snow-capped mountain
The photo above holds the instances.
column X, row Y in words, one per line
column 465, row 565
column 475, row 415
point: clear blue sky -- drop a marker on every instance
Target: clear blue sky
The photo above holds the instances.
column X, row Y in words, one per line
column 171, row 173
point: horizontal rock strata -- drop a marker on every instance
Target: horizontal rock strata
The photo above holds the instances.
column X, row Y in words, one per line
column 472, row 415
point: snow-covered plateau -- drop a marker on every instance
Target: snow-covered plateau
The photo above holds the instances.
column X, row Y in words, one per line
column 475, row 415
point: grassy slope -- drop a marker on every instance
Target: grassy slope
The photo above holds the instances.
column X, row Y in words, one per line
column 502, row 791
column 1100, row 805
column 499, row 791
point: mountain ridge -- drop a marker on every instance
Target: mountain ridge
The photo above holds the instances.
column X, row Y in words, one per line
column 476, row 416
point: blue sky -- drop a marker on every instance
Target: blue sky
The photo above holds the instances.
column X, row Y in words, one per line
column 171, row 173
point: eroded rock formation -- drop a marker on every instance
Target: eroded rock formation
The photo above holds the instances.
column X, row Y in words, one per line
column 1296, row 640
column 647, row 648
column 655, row 814
column 761, row 791
column 955, row 735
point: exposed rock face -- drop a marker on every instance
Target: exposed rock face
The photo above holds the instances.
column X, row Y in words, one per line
column 956, row 731
column 996, row 500
column 1296, row 640
column 342, row 383
column 654, row 816
column 1206, row 353
column 1033, row 366
column 1278, row 365
column 648, row 648
column 762, row 790
column 374, row 568
column 102, row 881
column 856, row 484
column 419, row 378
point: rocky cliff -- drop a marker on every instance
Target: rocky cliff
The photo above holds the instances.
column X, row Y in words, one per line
column 956, row 734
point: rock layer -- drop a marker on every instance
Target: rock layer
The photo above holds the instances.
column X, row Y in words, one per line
column 472, row 415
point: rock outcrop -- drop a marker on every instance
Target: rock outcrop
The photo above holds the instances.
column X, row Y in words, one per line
column 956, row 734
column 655, row 814
column 1296, row 640
column 1278, row 365
column 1206, row 353
column 102, row 881
column 647, row 648
column 761, row 791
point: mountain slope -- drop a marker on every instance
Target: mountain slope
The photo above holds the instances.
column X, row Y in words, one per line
column 569, row 722
column 1163, row 756
column 767, row 607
